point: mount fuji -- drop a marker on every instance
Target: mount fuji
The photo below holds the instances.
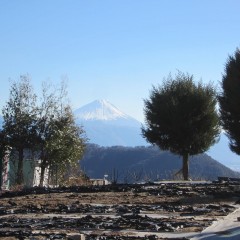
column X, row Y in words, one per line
column 106, row 125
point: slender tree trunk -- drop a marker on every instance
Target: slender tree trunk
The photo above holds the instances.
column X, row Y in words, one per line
column 42, row 176
column 43, row 157
column 185, row 169
column 20, row 167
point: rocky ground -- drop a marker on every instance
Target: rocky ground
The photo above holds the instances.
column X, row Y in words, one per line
column 147, row 211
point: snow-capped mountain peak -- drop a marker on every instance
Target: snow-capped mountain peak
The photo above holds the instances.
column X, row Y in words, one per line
column 106, row 125
column 99, row 110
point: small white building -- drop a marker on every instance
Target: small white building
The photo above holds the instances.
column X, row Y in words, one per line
column 100, row 182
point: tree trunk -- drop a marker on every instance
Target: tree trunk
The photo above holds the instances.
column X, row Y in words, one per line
column 42, row 175
column 20, row 167
column 42, row 166
column 185, row 169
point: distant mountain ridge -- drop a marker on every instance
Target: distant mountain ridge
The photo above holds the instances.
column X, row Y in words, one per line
column 106, row 125
column 147, row 163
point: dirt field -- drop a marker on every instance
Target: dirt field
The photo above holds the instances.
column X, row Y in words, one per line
column 149, row 211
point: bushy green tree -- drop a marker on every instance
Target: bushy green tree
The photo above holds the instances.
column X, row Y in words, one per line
column 181, row 117
column 61, row 141
column 47, row 112
column 19, row 124
column 229, row 100
column 66, row 145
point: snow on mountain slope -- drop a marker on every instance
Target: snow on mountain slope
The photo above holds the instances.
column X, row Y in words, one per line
column 106, row 125
column 104, row 111
column 99, row 110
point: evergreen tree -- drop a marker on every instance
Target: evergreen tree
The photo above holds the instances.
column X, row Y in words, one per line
column 229, row 101
column 19, row 125
column 181, row 117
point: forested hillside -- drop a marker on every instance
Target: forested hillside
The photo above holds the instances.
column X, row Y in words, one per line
column 130, row 164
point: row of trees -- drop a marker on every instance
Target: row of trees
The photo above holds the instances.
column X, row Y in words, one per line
column 43, row 125
column 181, row 116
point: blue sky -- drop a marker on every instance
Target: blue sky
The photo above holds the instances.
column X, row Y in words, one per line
column 115, row 49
